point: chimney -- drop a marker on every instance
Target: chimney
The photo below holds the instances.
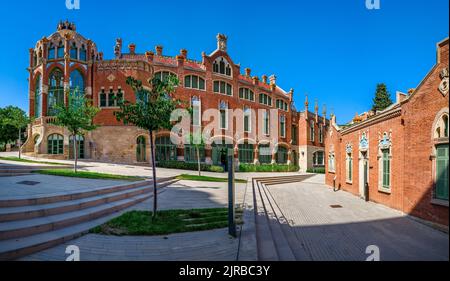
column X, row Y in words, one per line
column 264, row 79
column 132, row 48
column 180, row 59
column 222, row 42
column 255, row 80
column 184, row 53
column 248, row 72
column 149, row 55
column 159, row 50
column 273, row 80
column 324, row 113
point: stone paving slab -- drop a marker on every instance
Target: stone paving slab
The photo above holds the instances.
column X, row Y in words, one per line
column 9, row 187
column 345, row 233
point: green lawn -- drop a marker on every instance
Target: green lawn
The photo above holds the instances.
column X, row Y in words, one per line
column 17, row 159
column 206, row 178
column 86, row 175
column 167, row 222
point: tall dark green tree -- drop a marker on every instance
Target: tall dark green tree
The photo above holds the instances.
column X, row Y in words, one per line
column 151, row 112
column 13, row 119
column 382, row 98
column 76, row 117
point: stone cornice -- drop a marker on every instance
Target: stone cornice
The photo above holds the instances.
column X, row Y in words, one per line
column 395, row 112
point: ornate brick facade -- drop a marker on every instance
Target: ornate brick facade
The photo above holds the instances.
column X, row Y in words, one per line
column 214, row 80
column 401, row 153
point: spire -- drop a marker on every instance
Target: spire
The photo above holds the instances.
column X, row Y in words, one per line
column 324, row 114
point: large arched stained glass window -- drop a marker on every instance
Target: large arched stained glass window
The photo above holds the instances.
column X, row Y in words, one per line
column 55, row 92
column 38, row 97
column 76, row 83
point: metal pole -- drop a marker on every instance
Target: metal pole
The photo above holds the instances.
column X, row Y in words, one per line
column 231, row 195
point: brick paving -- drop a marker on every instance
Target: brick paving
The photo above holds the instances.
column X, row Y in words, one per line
column 344, row 233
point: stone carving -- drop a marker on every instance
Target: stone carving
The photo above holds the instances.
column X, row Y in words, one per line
column 349, row 148
column 363, row 143
column 444, row 86
column 385, row 142
column 111, row 78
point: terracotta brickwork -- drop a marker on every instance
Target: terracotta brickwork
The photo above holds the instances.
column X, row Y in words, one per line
column 68, row 51
column 409, row 131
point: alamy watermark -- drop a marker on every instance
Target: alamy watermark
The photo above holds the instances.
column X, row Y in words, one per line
column 373, row 4
column 73, row 4
column 374, row 253
column 73, row 253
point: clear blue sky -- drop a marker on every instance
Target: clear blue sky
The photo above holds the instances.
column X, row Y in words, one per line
column 337, row 51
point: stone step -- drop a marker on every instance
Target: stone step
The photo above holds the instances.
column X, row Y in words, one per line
column 266, row 250
column 281, row 244
column 34, row 211
column 13, row 175
column 15, row 248
column 64, row 196
column 23, row 228
column 299, row 252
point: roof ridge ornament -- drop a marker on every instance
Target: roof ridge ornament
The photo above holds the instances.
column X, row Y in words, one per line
column 222, row 42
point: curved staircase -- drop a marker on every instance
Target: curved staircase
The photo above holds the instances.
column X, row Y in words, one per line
column 275, row 238
column 28, row 225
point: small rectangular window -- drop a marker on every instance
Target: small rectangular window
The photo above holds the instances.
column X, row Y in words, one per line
column 202, row 84
column 111, row 97
column 222, row 87
column 103, row 99
column 229, row 90
column 187, row 81
column 216, row 86
column 195, row 82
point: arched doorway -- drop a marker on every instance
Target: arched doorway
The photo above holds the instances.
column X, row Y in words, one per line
column 80, row 148
column 141, row 149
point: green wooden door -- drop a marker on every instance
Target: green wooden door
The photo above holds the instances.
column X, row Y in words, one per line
column 442, row 172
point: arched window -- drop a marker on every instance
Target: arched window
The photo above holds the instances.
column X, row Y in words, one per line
column 194, row 82
column 60, row 52
column 83, row 53
column 55, row 92
column 55, row 144
column 38, row 97
column 441, row 152
column 76, row 83
column 74, row 51
column 162, row 75
column 165, row 149
column 246, row 94
column 349, row 163
column 51, row 52
column 222, row 66
column 141, row 155
column 265, row 99
column 222, row 87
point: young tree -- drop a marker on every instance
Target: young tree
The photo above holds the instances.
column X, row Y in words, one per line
column 13, row 119
column 196, row 140
column 382, row 98
column 151, row 112
column 76, row 117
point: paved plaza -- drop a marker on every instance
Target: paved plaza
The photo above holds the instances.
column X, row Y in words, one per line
column 345, row 232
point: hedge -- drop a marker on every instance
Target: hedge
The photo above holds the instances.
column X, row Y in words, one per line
column 316, row 171
column 264, row 168
column 189, row 166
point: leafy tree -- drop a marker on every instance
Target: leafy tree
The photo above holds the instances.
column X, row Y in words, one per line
column 382, row 98
column 76, row 117
column 151, row 112
column 13, row 119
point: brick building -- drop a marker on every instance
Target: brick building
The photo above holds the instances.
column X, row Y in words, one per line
column 398, row 157
column 65, row 61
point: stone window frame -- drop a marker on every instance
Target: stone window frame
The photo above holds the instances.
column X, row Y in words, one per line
column 107, row 93
column 331, row 162
column 225, row 92
column 162, row 72
column 320, row 133
column 197, row 99
column 437, row 140
column 269, row 99
column 349, row 164
column 384, row 143
column 312, row 131
column 250, row 93
column 283, row 128
column 198, row 82
column 223, row 105
column 247, row 113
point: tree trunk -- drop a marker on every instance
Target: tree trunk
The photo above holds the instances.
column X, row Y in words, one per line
column 198, row 162
column 155, row 193
column 20, row 143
